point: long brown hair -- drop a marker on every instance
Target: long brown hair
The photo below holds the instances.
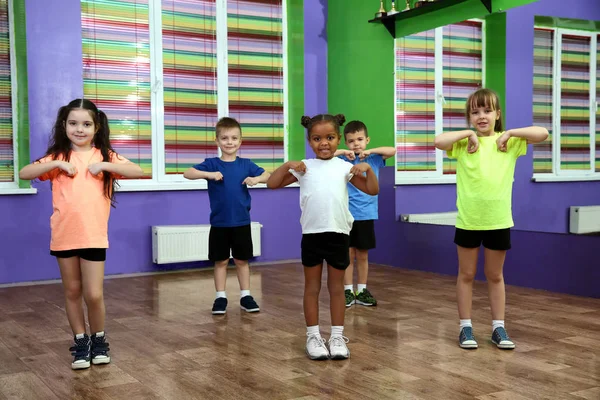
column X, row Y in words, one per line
column 59, row 146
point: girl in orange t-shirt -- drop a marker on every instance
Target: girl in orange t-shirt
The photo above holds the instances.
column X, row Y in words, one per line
column 83, row 168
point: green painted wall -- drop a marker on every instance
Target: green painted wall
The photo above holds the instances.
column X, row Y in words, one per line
column 361, row 60
column 360, row 68
column 295, row 45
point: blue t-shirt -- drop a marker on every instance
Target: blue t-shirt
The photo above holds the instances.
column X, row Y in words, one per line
column 229, row 199
column 363, row 206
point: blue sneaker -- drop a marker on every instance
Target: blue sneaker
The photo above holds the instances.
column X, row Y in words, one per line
column 501, row 340
column 466, row 340
column 81, row 351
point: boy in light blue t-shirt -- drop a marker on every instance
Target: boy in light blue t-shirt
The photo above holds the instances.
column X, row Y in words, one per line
column 363, row 208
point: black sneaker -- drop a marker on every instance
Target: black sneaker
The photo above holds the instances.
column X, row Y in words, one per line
column 100, row 349
column 220, row 305
column 365, row 298
column 248, row 304
column 350, row 298
column 466, row 339
column 501, row 340
column 81, row 352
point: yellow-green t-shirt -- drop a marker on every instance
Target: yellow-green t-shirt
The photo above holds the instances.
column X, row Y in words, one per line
column 484, row 182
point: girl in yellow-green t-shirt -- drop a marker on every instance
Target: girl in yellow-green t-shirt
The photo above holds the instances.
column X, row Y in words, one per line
column 486, row 158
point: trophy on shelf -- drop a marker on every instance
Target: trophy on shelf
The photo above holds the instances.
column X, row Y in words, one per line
column 381, row 13
column 393, row 10
column 407, row 8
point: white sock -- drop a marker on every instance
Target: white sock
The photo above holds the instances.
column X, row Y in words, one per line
column 80, row 336
column 497, row 323
column 347, row 287
column 313, row 330
column 100, row 334
column 337, row 330
column 244, row 293
column 221, row 294
column 464, row 323
column 360, row 287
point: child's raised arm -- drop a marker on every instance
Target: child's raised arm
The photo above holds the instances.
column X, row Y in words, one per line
column 367, row 184
column 385, row 152
column 533, row 134
column 282, row 177
column 127, row 170
column 192, row 173
column 35, row 170
column 446, row 140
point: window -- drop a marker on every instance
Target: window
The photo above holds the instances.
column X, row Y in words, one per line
column 435, row 72
column 566, row 80
column 164, row 71
column 14, row 131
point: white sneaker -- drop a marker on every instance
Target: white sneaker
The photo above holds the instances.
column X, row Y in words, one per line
column 315, row 348
column 338, row 348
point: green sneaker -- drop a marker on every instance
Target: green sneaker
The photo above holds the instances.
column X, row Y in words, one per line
column 350, row 299
column 365, row 298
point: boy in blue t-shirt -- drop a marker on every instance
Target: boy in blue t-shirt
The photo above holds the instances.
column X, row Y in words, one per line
column 228, row 179
column 364, row 210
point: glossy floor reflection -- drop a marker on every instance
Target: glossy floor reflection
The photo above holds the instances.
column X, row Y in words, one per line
column 166, row 344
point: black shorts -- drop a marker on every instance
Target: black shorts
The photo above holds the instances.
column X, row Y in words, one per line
column 329, row 246
column 232, row 241
column 86, row 254
column 362, row 235
column 497, row 239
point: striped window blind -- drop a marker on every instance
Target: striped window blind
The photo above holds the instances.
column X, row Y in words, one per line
column 116, row 72
column 255, row 57
column 462, row 75
column 415, row 102
column 7, row 167
column 189, row 42
column 575, row 103
column 543, row 80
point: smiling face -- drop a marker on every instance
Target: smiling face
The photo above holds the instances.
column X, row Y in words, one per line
column 80, row 129
column 229, row 141
column 484, row 119
column 324, row 140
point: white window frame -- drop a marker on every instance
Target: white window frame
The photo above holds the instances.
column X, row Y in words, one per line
column 437, row 176
column 13, row 187
column 558, row 174
column 161, row 181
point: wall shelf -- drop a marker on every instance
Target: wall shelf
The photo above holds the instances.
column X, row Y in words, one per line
column 389, row 21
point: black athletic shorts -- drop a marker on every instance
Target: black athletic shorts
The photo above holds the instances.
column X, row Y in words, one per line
column 329, row 246
column 231, row 241
column 497, row 239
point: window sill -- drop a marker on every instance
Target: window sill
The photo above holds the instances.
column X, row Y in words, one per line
column 12, row 191
column 150, row 186
column 438, row 180
column 557, row 178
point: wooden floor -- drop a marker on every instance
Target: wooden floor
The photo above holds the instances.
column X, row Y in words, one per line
column 166, row 344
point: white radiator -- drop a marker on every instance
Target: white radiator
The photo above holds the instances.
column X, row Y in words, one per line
column 584, row 219
column 444, row 218
column 183, row 243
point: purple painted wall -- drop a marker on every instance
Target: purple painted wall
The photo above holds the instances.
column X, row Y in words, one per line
column 556, row 262
column 315, row 60
column 55, row 78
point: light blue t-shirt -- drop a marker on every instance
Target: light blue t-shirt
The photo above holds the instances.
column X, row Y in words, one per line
column 363, row 206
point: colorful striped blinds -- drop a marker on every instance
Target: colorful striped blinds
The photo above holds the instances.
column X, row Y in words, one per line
column 416, row 92
column 116, row 72
column 7, row 168
column 543, row 80
column 255, row 54
column 598, row 103
column 415, row 102
column 462, row 75
column 189, row 42
column 575, row 103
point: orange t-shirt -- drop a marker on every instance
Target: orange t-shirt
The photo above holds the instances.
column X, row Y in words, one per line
column 81, row 210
